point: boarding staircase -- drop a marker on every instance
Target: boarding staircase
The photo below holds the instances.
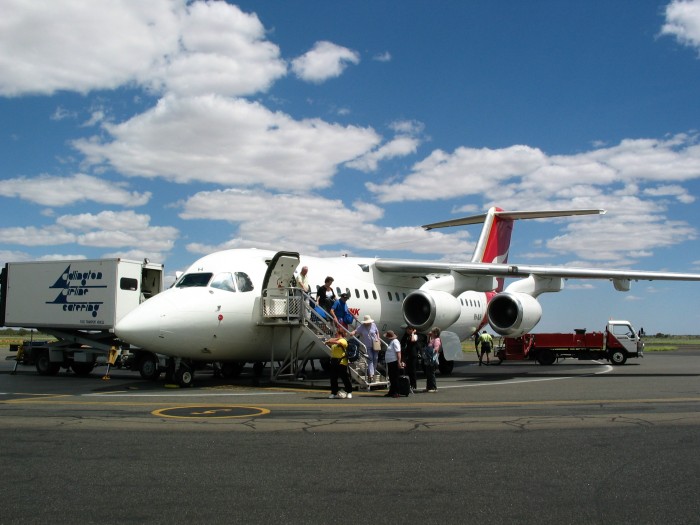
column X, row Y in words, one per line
column 302, row 327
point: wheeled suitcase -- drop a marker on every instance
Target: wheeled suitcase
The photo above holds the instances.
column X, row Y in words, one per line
column 404, row 386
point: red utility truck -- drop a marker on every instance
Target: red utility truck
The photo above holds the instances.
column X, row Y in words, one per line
column 619, row 342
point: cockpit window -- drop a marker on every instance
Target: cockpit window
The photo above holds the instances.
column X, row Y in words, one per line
column 243, row 282
column 193, row 279
column 223, row 281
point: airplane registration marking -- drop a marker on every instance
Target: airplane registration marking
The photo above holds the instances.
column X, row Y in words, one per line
column 218, row 412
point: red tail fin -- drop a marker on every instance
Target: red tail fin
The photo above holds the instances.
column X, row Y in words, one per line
column 494, row 241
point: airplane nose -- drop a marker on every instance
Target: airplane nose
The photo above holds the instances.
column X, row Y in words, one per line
column 141, row 326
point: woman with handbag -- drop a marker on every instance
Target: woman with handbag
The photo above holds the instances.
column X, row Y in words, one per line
column 368, row 334
column 430, row 359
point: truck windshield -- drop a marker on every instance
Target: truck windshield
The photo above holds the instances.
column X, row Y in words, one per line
column 623, row 329
column 193, row 279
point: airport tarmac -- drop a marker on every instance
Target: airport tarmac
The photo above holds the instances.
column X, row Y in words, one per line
column 576, row 442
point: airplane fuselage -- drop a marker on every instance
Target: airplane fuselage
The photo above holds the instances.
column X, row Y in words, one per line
column 201, row 319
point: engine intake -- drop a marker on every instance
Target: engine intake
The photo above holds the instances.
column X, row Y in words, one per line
column 425, row 309
column 513, row 314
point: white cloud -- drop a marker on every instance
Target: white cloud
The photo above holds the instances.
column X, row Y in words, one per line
column 222, row 50
column 382, row 57
column 81, row 45
column 62, row 113
column 683, row 22
column 63, row 191
column 467, row 171
column 165, row 45
column 399, row 147
column 518, row 169
column 228, row 141
column 36, row 236
column 107, row 229
column 671, row 190
column 325, row 60
column 309, row 223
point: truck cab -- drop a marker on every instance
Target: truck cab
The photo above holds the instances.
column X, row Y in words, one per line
column 622, row 341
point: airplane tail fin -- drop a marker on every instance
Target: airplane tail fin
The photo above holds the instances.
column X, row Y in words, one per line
column 494, row 242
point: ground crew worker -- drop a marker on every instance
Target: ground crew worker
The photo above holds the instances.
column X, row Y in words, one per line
column 486, row 343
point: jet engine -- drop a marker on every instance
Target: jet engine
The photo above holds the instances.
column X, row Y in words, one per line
column 513, row 314
column 425, row 309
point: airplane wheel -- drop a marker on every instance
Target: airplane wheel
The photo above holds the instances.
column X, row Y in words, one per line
column 82, row 369
column 231, row 369
column 184, row 376
column 618, row 357
column 149, row 367
column 44, row 365
column 258, row 368
column 445, row 366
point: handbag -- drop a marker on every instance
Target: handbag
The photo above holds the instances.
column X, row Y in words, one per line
column 376, row 345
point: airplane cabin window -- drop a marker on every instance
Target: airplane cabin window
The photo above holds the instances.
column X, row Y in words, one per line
column 398, row 297
column 193, row 279
column 223, row 281
column 389, row 294
column 357, row 293
column 244, row 283
column 374, row 294
column 366, row 294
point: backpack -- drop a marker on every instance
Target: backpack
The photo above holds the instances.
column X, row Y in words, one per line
column 429, row 357
column 352, row 352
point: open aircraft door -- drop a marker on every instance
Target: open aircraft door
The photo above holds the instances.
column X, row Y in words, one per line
column 279, row 294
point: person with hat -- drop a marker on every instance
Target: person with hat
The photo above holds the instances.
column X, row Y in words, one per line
column 339, row 366
column 340, row 312
column 392, row 357
column 368, row 334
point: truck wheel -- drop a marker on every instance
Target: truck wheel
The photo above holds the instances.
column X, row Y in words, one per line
column 44, row 365
column 82, row 369
column 618, row 357
column 546, row 357
column 149, row 368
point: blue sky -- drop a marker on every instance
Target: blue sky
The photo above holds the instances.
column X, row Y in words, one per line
column 170, row 129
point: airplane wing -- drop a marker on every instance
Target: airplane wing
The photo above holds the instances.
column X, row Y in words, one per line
column 410, row 267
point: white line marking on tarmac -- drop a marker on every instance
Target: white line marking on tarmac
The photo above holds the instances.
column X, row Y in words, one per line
column 607, row 369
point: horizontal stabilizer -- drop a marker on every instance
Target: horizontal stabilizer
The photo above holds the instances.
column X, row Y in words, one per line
column 512, row 215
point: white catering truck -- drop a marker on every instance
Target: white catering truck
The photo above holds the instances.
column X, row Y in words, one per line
column 78, row 302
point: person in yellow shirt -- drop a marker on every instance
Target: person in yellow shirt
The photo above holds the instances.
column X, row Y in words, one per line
column 339, row 366
column 486, row 344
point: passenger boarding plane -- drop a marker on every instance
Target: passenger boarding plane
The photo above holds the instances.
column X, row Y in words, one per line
column 237, row 306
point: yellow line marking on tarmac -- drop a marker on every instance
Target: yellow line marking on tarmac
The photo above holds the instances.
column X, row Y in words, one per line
column 213, row 411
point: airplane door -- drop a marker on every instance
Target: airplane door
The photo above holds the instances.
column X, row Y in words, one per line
column 277, row 283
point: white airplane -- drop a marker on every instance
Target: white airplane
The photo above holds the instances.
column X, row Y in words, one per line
column 237, row 306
